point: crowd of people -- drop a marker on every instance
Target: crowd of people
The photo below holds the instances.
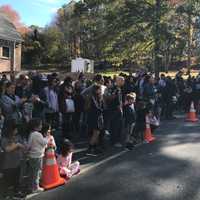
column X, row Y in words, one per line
column 34, row 105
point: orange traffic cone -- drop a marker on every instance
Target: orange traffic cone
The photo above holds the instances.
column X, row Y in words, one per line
column 50, row 173
column 191, row 116
column 148, row 135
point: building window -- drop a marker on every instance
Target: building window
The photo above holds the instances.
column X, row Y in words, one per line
column 6, row 52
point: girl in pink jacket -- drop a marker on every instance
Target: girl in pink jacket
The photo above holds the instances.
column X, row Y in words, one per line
column 66, row 167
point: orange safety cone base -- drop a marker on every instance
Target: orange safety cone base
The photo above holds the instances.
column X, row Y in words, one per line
column 191, row 117
column 60, row 182
column 192, row 120
column 50, row 173
column 50, row 181
column 150, row 139
column 148, row 136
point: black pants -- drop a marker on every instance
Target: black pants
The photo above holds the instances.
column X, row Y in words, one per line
column 76, row 121
column 153, row 128
column 116, row 125
column 138, row 131
column 107, row 115
column 169, row 109
column 67, row 126
column 11, row 178
column 52, row 119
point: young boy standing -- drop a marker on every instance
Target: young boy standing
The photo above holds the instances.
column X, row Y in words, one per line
column 36, row 144
column 130, row 117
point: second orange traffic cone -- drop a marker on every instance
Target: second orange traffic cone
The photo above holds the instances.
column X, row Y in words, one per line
column 148, row 135
column 191, row 116
column 50, row 173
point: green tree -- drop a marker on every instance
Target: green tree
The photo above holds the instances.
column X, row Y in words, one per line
column 55, row 46
column 189, row 10
column 149, row 33
column 32, row 47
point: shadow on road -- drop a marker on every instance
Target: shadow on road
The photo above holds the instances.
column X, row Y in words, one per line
column 167, row 169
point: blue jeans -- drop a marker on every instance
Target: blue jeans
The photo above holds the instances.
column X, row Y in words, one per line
column 35, row 165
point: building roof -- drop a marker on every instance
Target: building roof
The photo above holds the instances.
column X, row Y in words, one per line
column 8, row 31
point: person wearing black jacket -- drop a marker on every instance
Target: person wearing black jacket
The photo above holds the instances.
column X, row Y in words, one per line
column 129, row 118
column 95, row 120
column 140, row 123
column 115, row 107
column 167, row 95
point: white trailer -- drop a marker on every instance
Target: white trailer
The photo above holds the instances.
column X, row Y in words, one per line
column 82, row 65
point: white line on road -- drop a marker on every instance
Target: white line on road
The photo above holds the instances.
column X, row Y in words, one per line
column 80, row 150
column 79, row 143
column 103, row 161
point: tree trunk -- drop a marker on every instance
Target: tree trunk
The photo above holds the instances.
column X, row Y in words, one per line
column 189, row 40
column 157, row 39
column 12, row 66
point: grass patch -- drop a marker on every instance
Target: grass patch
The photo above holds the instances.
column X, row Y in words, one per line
column 113, row 73
column 170, row 73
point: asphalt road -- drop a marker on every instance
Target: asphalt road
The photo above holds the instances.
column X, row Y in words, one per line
column 168, row 169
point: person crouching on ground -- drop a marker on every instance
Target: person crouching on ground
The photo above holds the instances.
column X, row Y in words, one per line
column 66, row 167
column 36, row 145
column 129, row 117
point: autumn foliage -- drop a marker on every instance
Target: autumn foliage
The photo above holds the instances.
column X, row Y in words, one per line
column 14, row 18
column 175, row 2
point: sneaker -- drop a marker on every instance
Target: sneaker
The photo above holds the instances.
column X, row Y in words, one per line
column 118, row 145
column 135, row 143
column 28, row 191
column 98, row 151
column 129, row 146
column 8, row 197
column 78, row 172
column 107, row 133
column 11, row 188
column 19, row 195
column 38, row 190
column 140, row 141
column 91, row 152
column 17, row 198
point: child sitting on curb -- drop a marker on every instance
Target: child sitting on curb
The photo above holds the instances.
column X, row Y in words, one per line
column 66, row 167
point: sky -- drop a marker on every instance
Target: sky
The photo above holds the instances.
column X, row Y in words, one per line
column 35, row 12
